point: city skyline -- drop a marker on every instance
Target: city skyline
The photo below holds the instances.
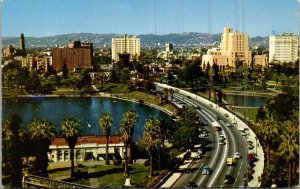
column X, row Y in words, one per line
column 55, row 17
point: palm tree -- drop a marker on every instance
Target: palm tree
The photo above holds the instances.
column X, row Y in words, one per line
column 267, row 132
column 71, row 130
column 105, row 122
column 41, row 133
column 151, row 139
column 13, row 137
column 127, row 129
column 290, row 146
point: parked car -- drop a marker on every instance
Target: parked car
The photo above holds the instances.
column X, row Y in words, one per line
column 226, row 115
column 206, row 170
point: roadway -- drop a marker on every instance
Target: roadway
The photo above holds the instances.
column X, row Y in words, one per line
column 216, row 154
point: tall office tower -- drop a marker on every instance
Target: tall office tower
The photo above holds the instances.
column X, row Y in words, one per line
column 169, row 47
column 234, row 47
column 76, row 56
column 283, row 48
column 130, row 45
column 22, row 42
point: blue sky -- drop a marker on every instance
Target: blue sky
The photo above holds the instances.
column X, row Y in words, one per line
column 38, row 18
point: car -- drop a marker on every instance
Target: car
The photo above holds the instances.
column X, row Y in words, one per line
column 236, row 155
column 243, row 133
column 226, row 115
column 210, row 105
column 206, row 170
column 230, row 161
column 218, row 118
column 249, row 141
column 222, row 137
column 228, row 179
column 221, row 142
column 250, row 146
column 234, row 122
column 191, row 185
column 228, row 125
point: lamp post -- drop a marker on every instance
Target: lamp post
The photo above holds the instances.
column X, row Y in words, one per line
column 255, row 146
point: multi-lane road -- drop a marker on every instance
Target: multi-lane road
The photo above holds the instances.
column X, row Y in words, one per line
column 216, row 154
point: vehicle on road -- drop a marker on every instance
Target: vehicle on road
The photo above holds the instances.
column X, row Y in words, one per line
column 222, row 137
column 221, row 142
column 216, row 126
column 230, row 161
column 234, row 122
column 250, row 146
column 236, row 155
column 191, row 185
column 228, row 179
column 243, row 133
column 206, row 170
column 226, row 115
column 228, row 125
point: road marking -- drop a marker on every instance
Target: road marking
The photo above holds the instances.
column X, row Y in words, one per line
column 197, row 171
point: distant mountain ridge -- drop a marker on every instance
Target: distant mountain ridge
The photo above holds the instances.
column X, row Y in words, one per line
column 188, row 39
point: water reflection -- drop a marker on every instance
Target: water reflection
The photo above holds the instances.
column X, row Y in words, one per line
column 87, row 110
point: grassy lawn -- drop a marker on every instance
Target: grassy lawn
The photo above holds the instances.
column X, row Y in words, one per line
column 152, row 99
column 249, row 112
column 113, row 87
column 107, row 175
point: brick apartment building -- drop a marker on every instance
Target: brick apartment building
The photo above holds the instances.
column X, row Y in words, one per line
column 77, row 55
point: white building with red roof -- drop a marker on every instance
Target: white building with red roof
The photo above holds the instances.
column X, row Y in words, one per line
column 87, row 147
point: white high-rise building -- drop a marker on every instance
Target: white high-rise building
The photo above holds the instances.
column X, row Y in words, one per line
column 283, row 48
column 130, row 45
column 234, row 47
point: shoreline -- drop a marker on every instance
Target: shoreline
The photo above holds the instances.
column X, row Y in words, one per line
column 104, row 95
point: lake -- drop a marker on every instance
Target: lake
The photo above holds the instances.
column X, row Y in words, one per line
column 248, row 101
column 87, row 110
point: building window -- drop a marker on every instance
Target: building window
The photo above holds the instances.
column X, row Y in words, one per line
column 60, row 155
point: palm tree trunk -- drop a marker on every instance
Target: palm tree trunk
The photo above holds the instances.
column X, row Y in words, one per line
column 72, row 162
column 269, row 154
column 290, row 174
column 151, row 165
column 126, row 161
column 130, row 154
column 107, row 158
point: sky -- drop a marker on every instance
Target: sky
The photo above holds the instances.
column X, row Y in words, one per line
column 39, row 18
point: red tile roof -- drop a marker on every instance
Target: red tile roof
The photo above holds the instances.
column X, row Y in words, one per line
column 114, row 139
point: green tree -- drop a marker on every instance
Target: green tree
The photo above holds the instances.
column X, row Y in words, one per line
column 105, row 122
column 71, row 130
column 268, row 130
column 41, row 133
column 289, row 148
column 151, row 139
column 13, row 137
column 127, row 129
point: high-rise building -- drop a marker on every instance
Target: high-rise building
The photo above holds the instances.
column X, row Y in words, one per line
column 76, row 56
column 130, row 45
column 283, row 48
column 169, row 47
column 234, row 47
column 22, row 42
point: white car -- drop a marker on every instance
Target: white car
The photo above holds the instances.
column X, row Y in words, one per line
column 234, row 122
column 228, row 125
column 236, row 155
column 243, row 133
column 222, row 137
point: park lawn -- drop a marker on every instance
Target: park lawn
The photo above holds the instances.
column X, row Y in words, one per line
column 107, row 175
column 250, row 112
column 152, row 99
column 113, row 88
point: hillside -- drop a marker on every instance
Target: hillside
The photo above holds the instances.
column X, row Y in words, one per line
column 191, row 39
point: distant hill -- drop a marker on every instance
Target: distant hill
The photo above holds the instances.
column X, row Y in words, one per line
column 191, row 39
